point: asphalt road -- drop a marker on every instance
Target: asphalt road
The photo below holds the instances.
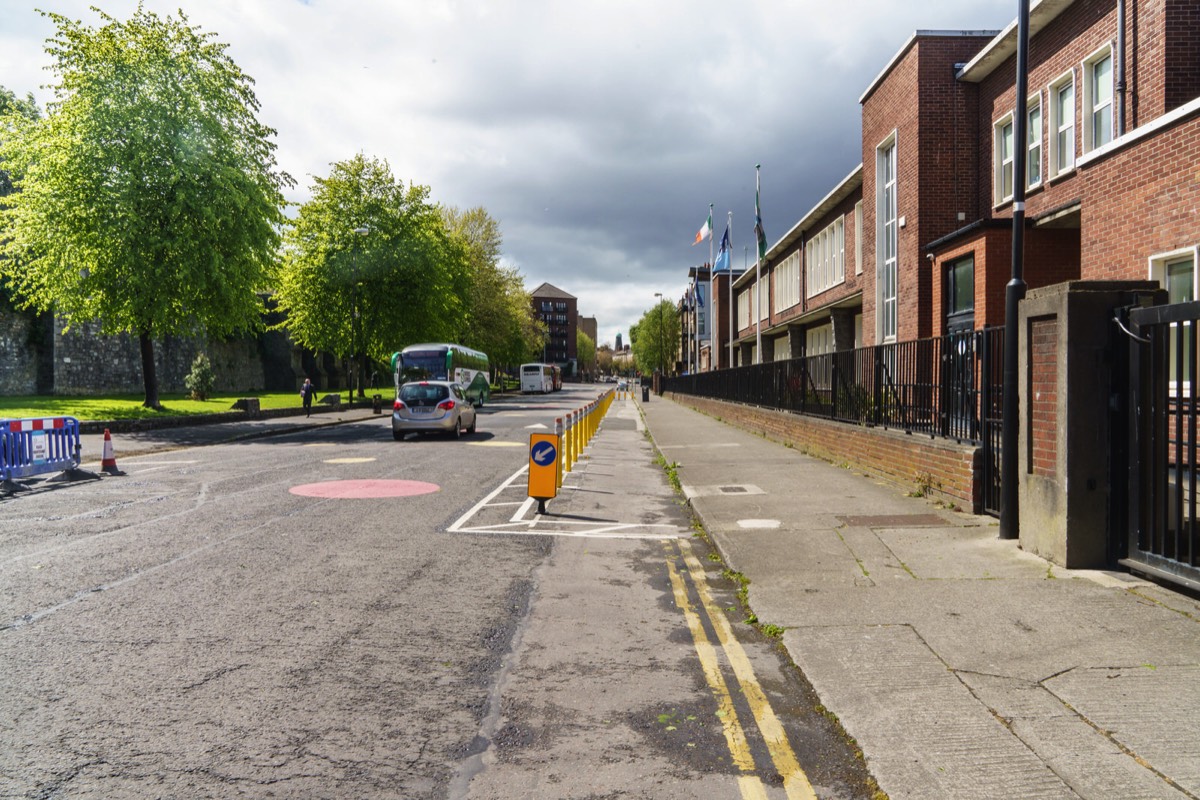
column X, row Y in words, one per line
column 236, row 620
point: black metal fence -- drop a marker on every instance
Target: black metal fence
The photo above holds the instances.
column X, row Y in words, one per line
column 950, row 387
column 947, row 386
column 1163, row 517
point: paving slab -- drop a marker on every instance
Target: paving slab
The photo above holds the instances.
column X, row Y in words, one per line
column 962, row 665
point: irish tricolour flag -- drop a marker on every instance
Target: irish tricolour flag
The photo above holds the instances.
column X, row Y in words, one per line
column 705, row 230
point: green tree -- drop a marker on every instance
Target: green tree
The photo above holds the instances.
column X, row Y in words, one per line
column 499, row 311
column 655, row 337
column 22, row 112
column 585, row 351
column 604, row 359
column 369, row 267
column 149, row 195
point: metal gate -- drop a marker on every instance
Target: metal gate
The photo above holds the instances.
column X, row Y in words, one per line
column 1163, row 534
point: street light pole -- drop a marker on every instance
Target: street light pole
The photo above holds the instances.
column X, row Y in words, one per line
column 660, row 336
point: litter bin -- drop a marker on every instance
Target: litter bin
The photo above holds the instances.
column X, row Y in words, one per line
column 645, row 393
column 377, row 404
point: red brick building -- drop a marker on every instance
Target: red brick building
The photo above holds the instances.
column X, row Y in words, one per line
column 916, row 241
column 560, row 312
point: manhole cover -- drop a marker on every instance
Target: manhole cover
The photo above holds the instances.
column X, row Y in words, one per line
column 896, row 521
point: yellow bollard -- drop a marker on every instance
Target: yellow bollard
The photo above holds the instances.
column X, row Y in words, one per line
column 562, row 450
column 574, row 435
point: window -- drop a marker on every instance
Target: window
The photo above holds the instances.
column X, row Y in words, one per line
column 1062, row 125
column 787, row 282
column 1002, row 167
column 960, row 294
column 743, row 308
column 1033, row 162
column 887, row 237
column 819, row 342
column 1098, row 99
column 825, row 257
column 858, row 238
column 1176, row 272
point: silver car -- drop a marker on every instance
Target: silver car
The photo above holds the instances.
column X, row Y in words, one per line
column 432, row 407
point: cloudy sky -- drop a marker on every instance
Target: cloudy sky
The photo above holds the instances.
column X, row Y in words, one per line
column 596, row 132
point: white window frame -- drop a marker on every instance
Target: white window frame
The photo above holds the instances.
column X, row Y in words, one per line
column 1158, row 272
column 743, row 307
column 1090, row 106
column 1058, row 165
column 858, row 238
column 818, row 341
column 1033, row 142
column 887, row 270
column 787, row 282
column 1157, row 268
column 1000, row 164
column 825, row 258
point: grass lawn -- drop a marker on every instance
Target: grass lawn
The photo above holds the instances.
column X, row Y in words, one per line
column 129, row 406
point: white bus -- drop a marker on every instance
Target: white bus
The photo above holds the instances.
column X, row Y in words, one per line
column 537, row 378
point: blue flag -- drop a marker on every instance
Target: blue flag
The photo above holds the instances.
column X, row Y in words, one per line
column 721, row 263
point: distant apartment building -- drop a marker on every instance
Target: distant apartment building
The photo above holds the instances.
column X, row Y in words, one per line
column 559, row 311
column 590, row 326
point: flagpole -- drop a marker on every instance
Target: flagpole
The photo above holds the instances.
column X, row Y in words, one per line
column 758, row 272
column 729, row 269
column 711, row 333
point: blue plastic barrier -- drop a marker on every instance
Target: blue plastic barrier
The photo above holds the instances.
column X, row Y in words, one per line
column 36, row 446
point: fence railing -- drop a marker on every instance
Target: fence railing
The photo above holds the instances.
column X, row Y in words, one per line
column 949, row 386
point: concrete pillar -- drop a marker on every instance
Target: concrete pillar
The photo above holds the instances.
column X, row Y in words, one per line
column 1066, row 380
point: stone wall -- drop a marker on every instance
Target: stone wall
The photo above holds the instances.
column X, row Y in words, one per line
column 38, row 357
column 18, row 353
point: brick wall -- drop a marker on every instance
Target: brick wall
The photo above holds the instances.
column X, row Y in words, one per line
column 1181, row 49
column 929, row 111
column 1142, row 200
column 947, row 471
column 1043, row 396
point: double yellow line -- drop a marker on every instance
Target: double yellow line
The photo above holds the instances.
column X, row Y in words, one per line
column 795, row 782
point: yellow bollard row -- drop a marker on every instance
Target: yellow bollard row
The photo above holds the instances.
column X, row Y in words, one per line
column 578, row 429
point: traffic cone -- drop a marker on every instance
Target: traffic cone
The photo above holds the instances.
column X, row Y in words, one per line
column 108, row 460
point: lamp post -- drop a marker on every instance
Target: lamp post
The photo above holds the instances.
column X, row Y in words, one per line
column 355, row 366
column 660, row 338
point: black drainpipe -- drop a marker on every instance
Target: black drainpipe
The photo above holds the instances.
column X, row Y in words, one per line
column 1120, row 67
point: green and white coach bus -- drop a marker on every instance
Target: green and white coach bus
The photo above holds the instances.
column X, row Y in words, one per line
column 468, row 368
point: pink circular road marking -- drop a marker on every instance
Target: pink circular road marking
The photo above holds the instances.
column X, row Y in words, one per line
column 365, row 489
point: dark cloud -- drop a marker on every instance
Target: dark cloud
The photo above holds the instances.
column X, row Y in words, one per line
column 597, row 132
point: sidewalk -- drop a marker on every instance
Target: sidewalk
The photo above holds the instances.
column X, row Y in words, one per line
column 963, row 666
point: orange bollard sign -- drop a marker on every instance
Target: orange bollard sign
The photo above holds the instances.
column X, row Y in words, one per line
column 543, row 467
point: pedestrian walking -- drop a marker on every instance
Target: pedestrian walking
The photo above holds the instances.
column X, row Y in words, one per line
column 306, row 395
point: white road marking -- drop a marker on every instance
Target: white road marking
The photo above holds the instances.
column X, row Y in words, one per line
column 551, row 525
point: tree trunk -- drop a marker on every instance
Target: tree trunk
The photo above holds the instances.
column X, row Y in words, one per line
column 149, row 375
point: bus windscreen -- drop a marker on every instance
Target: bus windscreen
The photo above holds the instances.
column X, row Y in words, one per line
column 424, row 365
